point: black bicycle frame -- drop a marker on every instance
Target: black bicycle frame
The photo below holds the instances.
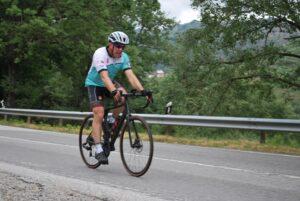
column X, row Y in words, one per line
column 125, row 115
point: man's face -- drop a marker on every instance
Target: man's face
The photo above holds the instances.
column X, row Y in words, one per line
column 116, row 49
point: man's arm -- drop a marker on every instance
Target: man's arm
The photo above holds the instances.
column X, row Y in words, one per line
column 135, row 83
column 107, row 81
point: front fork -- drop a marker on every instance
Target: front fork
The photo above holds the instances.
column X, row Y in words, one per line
column 133, row 135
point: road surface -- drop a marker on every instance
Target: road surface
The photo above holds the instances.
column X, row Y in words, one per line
column 41, row 165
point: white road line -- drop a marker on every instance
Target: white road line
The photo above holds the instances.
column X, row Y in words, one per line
column 164, row 159
column 253, row 152
column 37, row 142
column 227, row 168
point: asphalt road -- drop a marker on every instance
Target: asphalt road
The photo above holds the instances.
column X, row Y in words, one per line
column 51, row 161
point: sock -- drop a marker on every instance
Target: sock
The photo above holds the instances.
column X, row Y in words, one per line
column 98, row 148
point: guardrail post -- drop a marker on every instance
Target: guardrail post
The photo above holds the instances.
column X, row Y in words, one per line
column 168, row 109
column 262, row 137
column 60, row 122
column 28, row 120
column 5, row 117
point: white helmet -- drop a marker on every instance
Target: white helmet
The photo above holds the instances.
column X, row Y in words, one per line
column 118, row 37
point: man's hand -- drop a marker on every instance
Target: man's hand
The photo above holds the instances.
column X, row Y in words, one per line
column 117, row 95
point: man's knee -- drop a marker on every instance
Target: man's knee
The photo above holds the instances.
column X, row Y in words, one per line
column 98, row 111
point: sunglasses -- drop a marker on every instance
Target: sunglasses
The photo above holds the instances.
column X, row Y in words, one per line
column 119, row 46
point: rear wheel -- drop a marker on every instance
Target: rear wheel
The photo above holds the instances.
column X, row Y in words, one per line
column 86, row 143
column 136, row 146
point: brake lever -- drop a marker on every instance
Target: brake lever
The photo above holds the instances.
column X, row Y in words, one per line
column 148, row 102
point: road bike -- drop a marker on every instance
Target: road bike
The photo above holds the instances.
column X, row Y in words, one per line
column 136, row 142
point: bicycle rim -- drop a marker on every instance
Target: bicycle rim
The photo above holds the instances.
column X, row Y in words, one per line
column 87, row 149
column 137, row 158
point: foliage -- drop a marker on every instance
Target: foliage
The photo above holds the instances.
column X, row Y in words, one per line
column 247, row 32
column 242, row 60
column 231, row 65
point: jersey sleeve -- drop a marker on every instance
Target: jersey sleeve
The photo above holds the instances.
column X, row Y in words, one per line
column 99, row 61
column 126, row 63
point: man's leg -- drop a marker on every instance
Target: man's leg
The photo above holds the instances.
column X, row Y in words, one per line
column 118, row 110
column 98, row 112
column 115, row 114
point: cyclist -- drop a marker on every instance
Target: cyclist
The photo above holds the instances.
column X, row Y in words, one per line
column 106, row 63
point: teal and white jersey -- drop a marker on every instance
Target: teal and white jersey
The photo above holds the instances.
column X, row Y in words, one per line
column 102, row 61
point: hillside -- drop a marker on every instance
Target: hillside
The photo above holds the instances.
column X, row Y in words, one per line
column 181, row 28
column 275, row 36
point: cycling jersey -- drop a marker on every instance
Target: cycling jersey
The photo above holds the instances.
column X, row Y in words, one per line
column 102, row 61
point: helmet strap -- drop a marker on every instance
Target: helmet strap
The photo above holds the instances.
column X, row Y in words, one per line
column 109, row 54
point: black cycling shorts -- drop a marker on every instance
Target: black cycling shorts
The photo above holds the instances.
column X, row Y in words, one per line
column 98, row 96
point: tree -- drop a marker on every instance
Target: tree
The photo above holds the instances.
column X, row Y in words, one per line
column 246, row 31
column 232, row 65
column 39, row 38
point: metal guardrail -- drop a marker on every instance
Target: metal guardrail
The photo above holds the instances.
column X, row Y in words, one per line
column 262, row 124
column 44, row 113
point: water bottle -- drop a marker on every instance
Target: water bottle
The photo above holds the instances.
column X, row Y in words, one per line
column 110, row 119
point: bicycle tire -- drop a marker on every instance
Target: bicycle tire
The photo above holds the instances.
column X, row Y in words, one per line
column 129, row 154
column 88, row 156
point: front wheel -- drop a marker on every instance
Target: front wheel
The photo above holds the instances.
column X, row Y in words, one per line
column 136, row 146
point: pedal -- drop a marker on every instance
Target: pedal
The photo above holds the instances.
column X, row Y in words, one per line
column 87, row 147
